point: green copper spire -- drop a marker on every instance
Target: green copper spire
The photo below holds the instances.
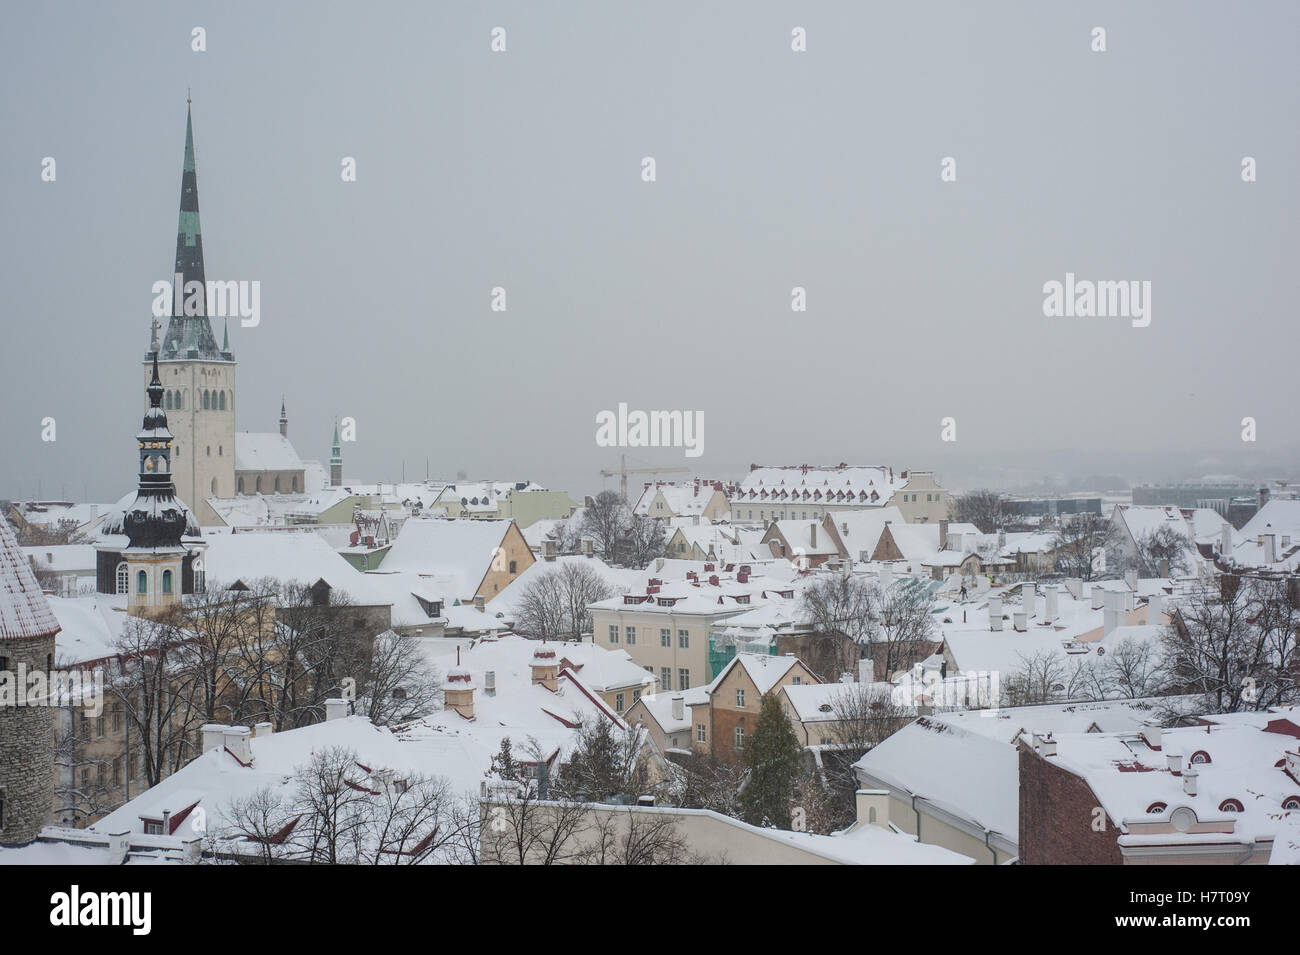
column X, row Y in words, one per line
column 190, row 336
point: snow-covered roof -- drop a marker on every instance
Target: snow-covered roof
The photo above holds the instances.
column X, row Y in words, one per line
column 1237, row 756
column 764, row 671
column 265, row 451
column 24, row 612
column 300, row 557
column 968, row 774
column 63, row 558
column 457, row 548
column 90, row 627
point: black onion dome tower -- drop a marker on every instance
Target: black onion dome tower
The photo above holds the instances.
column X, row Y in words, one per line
column 156, row 520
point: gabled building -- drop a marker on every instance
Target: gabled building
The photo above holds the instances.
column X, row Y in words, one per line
column 1215, row 793
column 729, row 711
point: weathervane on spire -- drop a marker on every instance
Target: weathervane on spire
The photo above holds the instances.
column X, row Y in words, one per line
column 153, row 337
column 188, row 101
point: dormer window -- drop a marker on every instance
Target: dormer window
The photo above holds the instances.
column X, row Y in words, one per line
column 1291, row 802
column 1156, row 808
column 1199, row 757
column 1231, row 805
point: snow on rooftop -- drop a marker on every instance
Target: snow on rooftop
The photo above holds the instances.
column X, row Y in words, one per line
column 24, row 611
column 265, row 451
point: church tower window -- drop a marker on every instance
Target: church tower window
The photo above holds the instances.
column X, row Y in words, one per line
column 223, row 400
column 167, row 582
column 141, row 583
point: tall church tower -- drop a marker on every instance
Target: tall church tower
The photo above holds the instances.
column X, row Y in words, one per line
column 336, row 460
column 197, row 377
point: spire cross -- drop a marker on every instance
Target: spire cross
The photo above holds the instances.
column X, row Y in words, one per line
column 153, row 338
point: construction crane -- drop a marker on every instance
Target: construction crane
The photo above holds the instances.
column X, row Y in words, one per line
column 624, row 471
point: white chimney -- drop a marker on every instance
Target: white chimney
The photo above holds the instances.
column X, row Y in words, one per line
column 812, row 534
column 214, row 736
column 679, row 708
column 1270, row 548
column 1098, row 596
column 1175, row 761
column 480, row 603
column 548, row 548
column 1027, row 596
column 872, row 807
column 588, row 548
column 239, row 740
column 262, row 730
column 1075, row 586
column 995, row 613
column 1131, row 578
column 335, row 709
column 1151, row 733
column 490, row 682
column 1049, row 746
column 866, row 670
column 119, row 844
column 1111, row 613
column 1189, row 781
column 1155, row 604
column 1049, row 604
column 1020, row 620
column 1225, row 540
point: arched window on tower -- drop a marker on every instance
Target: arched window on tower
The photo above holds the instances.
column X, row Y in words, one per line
column 141, row 583
column 123, row 578
column 180, row 400
column 223, row 401
column 200, row 579
column 205, row 400
column 167, row 582
column 167, row 401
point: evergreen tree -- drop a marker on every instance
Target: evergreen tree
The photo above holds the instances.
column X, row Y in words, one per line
column 774, row 758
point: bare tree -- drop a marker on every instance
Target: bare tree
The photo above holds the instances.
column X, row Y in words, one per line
column 642, row 540
column 397, row 684
column 904, row 626
column 1041, row 678
column 149, row 681
column 1234, row 643
column 982, row 508
column 1079, row 542
column 632, row 837
column 863, row 716
column 842, row 610
column 553, row 605
column 1163, row 549
column 603, row 521
column 703, row 781
column 1132, row 670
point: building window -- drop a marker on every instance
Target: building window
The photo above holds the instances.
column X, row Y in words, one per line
column 683, row 678
column 618, row 702
column 740, row 738
column 740, row 699
column 222, row 401
column 827, row 741
column 796, row 680
column 142, row 583
column 167, row 582
column 666, row 637
column 512, row 567
column 153, row 828
column 123, row 579
column 1231, row 805
column 613, row 633
column 631, row 636
column 117, row 773
column 200, row 578
column 117, row 718
column 666, row 677
column 99, row 727
column 699, row 733
column 683, row 639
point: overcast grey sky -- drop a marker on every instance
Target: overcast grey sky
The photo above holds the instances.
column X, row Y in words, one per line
column 775, row 169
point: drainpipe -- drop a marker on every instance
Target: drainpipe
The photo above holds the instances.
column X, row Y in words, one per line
column 1250, row 851
column 918, row 816
column 988, row 834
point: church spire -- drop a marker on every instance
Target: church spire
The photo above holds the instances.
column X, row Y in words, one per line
column 336, row 459
column 190, row 336
column 156, row 520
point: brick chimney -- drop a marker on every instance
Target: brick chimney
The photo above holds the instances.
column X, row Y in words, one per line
column 545, row 667
column 458, row 693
